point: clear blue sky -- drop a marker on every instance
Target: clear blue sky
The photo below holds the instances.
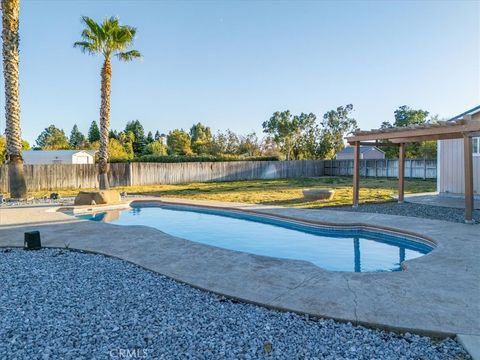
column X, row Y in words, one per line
column 232, row 64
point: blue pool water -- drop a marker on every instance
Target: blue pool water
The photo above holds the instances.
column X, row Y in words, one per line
column 330, row 248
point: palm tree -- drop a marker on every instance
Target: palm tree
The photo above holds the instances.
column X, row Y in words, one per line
column 108, row 39
column 10, row 37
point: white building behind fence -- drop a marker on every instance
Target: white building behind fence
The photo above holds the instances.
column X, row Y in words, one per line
column 45, row 157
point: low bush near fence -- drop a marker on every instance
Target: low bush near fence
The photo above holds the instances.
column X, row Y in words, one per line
column 198, row 158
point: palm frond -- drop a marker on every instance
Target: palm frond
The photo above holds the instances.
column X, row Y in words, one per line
column 133, row 30
column 95, row 28
column 108, row 38
column 87, row 34
column 129, row 55
column 85, row 46
column 110, row 24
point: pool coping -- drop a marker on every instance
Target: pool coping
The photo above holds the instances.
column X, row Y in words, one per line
column 300, row 281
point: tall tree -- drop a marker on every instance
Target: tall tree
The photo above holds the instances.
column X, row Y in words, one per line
column 308, row 146
column 225, row 143
column 336, row 125
column 11, row 39
column 136, row 128
column 76, row 138
column 150, row 138
column 52, row 138
column 93, row 132
column 179, row 143
column 249, row 145
column 156, row 147
column 201, row 136
column 287, row 130
column 107, row 39
column 113, row 134
column 117, row 151
column 406, row 116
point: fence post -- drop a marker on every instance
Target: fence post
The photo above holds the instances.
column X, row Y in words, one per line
column 424, row 169
column 386, row 168
column 376, row 168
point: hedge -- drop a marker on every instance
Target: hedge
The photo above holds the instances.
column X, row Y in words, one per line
column 197, row 158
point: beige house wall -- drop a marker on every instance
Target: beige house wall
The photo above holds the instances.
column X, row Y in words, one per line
column 450, row 179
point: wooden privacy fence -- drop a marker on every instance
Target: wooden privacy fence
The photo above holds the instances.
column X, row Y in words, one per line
column 414, row 168
column 50, row 177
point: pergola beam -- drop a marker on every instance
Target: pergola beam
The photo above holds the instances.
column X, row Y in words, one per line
column 427, row 138
column 366, row 143
column 427, row 132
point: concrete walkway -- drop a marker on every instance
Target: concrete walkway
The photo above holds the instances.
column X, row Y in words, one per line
column 435, row 199
column 436, row 295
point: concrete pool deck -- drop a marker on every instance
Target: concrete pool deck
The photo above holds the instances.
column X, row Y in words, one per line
column 437, row 294
column 443, row 200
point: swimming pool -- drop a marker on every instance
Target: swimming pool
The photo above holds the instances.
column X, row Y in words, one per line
column 330, row 248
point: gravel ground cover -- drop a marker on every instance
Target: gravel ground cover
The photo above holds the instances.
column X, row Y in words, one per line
column 60, row 304
column 415, row 210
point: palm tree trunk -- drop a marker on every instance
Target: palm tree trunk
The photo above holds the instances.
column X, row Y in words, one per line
column 104, row 124
column 10, row 10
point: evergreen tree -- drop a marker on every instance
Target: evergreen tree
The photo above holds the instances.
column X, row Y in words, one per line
column 93, row 132
column 157, row 135
column 136, row 128
column 113, row 134
column 52, row 138
column 76, row 137
column 150, row 138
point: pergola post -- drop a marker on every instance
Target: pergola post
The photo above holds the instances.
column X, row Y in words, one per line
column 468, row 159
column 356, row 173
column 401, row 173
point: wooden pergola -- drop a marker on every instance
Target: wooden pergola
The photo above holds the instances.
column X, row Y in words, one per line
column 461, row 127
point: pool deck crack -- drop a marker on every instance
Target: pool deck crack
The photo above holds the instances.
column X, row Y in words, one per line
column 301, row 283
column 355, row 300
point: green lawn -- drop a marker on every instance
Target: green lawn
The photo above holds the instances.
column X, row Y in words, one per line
column 284, row 192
